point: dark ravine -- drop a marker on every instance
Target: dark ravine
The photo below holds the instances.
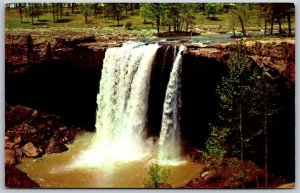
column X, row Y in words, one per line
column 63, row 79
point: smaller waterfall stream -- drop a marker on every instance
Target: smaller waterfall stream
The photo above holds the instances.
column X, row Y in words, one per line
column 169, row 139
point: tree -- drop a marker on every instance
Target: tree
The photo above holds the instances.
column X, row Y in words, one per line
column 232, row 94
column 21, row 11
column 178, row 14
column 280, row 11
column 242, row 11
column 157, row 174
column 216, row 145
column 55, row 11
column 237, row 102
column 153, row 11
column 86, row 10
column 212, row 8
column 115, row 10
column 37, row 7
column 266, row 107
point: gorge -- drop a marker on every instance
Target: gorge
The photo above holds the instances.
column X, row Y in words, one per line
column 141, row 94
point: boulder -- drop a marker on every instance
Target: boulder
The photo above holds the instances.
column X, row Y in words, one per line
column 18, row 113
column 30, row 150
column 55, row 146
column 10, row 158
column 15, row 178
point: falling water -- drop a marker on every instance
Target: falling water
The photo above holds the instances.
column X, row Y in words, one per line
column 169, row 140
column 122, row 104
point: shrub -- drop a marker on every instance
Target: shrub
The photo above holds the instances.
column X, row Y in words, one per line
column 157, row 174
column 215, row 146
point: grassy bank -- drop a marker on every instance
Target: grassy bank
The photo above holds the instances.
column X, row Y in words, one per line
column 131, row 21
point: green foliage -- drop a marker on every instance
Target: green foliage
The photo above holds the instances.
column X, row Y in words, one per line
column 215, row 146
column 246, row 106
column 241, row 12
column 153, row 11
column 213, row 8
column 86, row 9
column 128, row 25
column 236, row 95
column 156, row 174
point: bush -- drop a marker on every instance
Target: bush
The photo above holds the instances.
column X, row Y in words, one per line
column 157, row 174
column 128, row 25
column 215, row 146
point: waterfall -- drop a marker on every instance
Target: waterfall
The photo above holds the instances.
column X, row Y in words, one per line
column 122, row 104
column 169, row 139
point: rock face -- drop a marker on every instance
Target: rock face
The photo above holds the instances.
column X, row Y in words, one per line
column 15, row 178
column 276, row 58
column 87, row 50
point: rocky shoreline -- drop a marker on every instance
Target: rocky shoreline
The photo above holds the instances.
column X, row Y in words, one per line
column 32, row 133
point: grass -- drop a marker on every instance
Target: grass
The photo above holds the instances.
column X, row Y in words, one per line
column 220, row 24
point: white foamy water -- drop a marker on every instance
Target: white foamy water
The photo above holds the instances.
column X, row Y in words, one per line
column 122, row 106
column 169, row 139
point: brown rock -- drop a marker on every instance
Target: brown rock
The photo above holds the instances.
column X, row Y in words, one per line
column 164, row 185
column 19, row 113
column 10, row 158
column 289, row 185
column 55, row 147
column 15, row 178
column 30, row 150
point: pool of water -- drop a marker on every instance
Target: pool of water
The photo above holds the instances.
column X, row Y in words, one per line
column 55, row 171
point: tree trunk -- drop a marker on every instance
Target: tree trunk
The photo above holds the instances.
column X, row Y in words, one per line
column 95, row 9
column 73, row 6
column 61, row 10
column 38, row 13
column 32, row 14
column 21, row 13
column 289, row 22
column 242, row 25
column 53, row 12
column 265, row 25
column 233, row 29
column 187, row 26
column 241, row 130
column 157, row 24
column 85, row 18
column 118, row 18
column 272, row 22
column 279, row 24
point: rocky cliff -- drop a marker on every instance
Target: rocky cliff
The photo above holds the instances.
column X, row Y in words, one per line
column 87, row 51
